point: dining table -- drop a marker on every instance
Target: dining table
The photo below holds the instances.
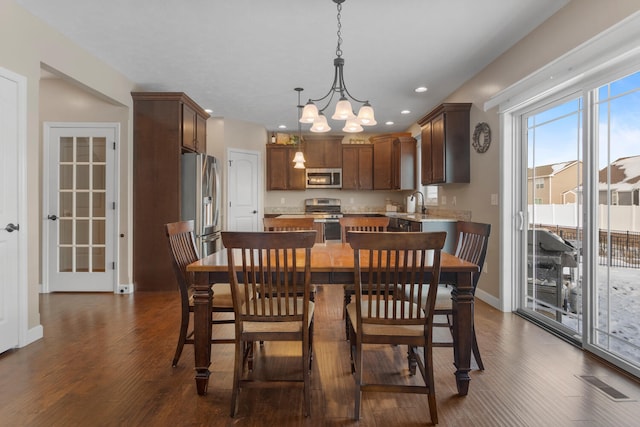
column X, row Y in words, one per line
column 333, row 263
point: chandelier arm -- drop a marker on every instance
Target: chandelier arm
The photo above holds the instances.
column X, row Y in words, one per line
column 343, row 85
column 337, row 77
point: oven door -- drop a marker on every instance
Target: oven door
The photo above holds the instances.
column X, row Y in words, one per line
column 332, row 230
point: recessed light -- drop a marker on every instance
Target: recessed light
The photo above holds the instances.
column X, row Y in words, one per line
column 208, row 110
column 389, row 123
column 405, row 112
column 421, row 89
column 282, row 126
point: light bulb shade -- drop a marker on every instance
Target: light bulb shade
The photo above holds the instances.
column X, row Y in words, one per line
column 309, row 113
column 320, row 124
column 352, row 126
column 299, row 165
column 365, row 115
column 344, row 111
column 299, row 157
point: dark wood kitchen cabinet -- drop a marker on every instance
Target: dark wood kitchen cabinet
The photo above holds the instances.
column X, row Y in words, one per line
column 323, row 151
column 445, row 144
column 163, row 128
column 394, row 161
column 281, row 175
column 357, row 166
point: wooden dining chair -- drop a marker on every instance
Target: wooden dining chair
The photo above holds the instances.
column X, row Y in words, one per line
column 390, row 270
column 183, row 250
column 280, row 263
column 472, row 240
column 358, row 223
column 287, row 224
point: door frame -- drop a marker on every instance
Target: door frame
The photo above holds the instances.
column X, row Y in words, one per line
column 46, row 130
column 25, row 335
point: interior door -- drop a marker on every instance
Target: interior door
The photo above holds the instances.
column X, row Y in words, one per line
column 242, row 191
column 80, row 207
column 9, row 202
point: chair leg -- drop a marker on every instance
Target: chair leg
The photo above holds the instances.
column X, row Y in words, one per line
column 476, row 351
column 411, row 359
column 358, row 378
column 238, row 364
column 352, row 346
column 184, row 324
column 306, row 362
column 310, row 343
column 347, row 301
column 429, row 380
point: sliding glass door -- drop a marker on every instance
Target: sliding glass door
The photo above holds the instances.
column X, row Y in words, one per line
column 552, row 289
column 580, row 173
column 615, row 325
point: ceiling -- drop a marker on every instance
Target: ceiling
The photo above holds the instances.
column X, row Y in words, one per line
column 243, row 58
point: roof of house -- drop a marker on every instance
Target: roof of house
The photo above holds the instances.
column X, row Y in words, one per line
column 625, row 174
column 550, row 170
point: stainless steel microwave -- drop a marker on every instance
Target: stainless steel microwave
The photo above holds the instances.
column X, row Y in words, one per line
column 324, row 178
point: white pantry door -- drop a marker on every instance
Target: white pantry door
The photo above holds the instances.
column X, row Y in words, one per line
column 80, row 207
column 12, row 273
column 242, row 191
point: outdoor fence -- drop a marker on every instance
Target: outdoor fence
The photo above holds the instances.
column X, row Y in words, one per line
column 615, row 248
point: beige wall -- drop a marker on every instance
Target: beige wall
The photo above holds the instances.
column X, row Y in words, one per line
column 25, row 44
column 574, row 24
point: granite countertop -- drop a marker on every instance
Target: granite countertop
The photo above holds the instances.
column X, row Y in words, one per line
column 416, row 217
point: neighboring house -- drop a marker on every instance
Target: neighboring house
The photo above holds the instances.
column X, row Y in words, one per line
column 622, row 180
column 553, row 184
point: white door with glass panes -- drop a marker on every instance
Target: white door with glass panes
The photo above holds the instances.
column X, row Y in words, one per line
column 80, row 207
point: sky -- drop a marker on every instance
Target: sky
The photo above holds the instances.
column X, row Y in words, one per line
column 556, row 132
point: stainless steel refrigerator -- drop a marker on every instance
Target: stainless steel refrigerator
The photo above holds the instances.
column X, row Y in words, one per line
column 201, row 200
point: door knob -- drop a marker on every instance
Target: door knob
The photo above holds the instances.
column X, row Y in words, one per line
column 52, row 217
column 11, row 228
column 255, row 212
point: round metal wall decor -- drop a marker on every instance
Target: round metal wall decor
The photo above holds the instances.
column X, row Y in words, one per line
column 481, row 145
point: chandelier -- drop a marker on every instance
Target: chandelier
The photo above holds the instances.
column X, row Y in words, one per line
column 343, row 111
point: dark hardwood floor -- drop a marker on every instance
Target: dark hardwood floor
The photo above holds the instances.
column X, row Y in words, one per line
column 105, row 360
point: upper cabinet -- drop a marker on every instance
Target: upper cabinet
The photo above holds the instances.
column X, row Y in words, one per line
column 445, row 144
column 281, row 175
column 357, row 166
column 323, row 151
column 394, row 161
column 173, row 112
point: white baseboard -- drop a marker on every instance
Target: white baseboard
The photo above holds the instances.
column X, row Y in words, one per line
column 489, row 299
column 33, row 335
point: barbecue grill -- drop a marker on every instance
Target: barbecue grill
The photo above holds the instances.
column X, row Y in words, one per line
column 550, row 254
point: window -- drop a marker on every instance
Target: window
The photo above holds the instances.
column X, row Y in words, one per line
column 539, row 183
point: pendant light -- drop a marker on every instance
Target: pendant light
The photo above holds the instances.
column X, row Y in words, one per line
column 344, row 110
column 298, row 158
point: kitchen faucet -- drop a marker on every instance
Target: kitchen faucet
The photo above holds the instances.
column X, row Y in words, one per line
column 422, row 209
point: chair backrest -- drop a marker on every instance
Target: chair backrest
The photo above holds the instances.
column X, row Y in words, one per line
column 270, row 274
column 390, row 269
column 362, row 223
column 471, row 244
column 287, row 224
column 182, row 247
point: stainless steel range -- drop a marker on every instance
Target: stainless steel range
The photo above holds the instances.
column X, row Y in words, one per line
column 327, row 211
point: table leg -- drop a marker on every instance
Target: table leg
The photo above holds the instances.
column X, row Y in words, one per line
column 202, row 330
column 462, row 296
